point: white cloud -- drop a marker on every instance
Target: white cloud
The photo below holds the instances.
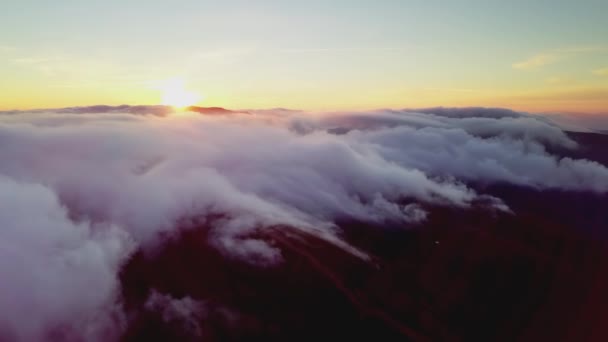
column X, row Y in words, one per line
column 59, row 277
column 81, row 187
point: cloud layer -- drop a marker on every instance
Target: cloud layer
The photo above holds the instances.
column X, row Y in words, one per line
column 84, row 187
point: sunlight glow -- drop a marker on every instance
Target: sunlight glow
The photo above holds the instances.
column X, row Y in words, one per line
column 174, row 93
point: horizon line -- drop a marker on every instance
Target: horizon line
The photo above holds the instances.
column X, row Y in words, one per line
column 108, row 108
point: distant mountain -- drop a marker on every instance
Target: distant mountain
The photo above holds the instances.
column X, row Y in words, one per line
column 213, row 110
column 158, row 110
column 592, row 146
column 464, row 275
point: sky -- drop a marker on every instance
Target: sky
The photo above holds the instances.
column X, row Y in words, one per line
column 538, row 56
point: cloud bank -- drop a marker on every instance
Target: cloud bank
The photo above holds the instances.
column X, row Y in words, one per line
column 83, row 188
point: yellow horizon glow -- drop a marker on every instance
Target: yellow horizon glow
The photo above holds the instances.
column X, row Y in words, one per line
column 540, row 96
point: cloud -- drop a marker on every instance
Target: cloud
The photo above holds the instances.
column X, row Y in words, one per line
column 59, row 277
column 83, row 187
column 187, row 314
column 601, row 72
column 561, row 80
column 545, row 58
column 186, row 311
column 537, row 61
column 469, row 112
column 33, row 60
column 7, row 48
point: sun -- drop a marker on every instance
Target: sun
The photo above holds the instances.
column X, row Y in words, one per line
column 175, row 94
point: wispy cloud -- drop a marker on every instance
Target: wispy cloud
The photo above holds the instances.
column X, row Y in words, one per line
column 48, row 66
column 455, row 90
column 560, row 80
column 346, row 49
column 549, row 57
column 68, row 71
column 221, row 55
column 7, row 48
column 33, row 60
column 601, row 71
column 537, row 61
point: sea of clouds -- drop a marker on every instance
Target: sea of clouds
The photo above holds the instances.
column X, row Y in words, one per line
column 83, row 188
